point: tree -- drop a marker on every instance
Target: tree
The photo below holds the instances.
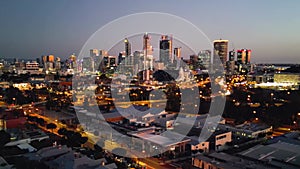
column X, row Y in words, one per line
column 98, row 148
column 83, row 140
column 40, row 121
column 261, row 135
column 98, row 152
column 62, row 131
column 51, row 126
column 4, row 138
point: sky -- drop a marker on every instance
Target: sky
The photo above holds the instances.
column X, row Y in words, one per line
column 32, row 28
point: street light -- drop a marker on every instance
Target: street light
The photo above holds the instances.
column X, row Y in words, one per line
column 14, row 99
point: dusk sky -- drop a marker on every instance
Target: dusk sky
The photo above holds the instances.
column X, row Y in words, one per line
column 32, row 28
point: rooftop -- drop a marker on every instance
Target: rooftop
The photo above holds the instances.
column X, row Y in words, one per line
column 280, row 154
column 166, row 139
column 228, row 161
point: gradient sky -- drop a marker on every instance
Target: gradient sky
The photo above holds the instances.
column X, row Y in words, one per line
column 31, row 28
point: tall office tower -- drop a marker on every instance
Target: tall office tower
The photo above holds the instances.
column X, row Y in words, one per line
column 57, row 63
column 177, row 56
column 165, row 50
column 177, row 52
column 38, row 61
column 94, row 53
column 49, row 66
column 73, row 57
column 50, row 58
column 98, row 60
column 147, row 49
column 122, row 63
column 231, row 55
column 204, row 57
column 248, row 56
column 241, row 56
column 220, row 50
column 128, row 56
column 44, row 59
column 230, row 64
column 103, row 52
column 121, row 58
column 87, row 64
column 110, row 62
column 127, row 47
column 138, row 58
column 72, row 61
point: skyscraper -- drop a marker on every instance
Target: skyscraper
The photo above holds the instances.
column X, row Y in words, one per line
column 146, row 45
column 231, row 55
column 50, row 58
column 44, row 59
column 94, row 53
column 244, row 56
column 230, row 64
column 127, row 47
column 243, row 60
column 137, row 62
column 147, row 49
column 87, row 64
column 205, row 59
column 177, row 53
column 72, row 61
column 248, row 56
column 128, row 56
column 177, row 56
column 165, row 49
column 99, row 60
column 220, row 50
column 57, row 63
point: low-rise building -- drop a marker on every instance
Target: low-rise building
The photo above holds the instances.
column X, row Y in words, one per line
column 282, row 151
column 226, row 161
column 65, row 158
column 250, row 130
column 26, row 137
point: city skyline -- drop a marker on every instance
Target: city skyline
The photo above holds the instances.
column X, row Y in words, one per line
column 31, row 29
column 149, row 84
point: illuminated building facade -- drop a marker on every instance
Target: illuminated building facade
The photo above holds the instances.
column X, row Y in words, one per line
column 244, row 56
column 148, row 52
column 177, row 56
column 205, row 59
column 231, row 55
column 165, row 49
column 220, row 50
